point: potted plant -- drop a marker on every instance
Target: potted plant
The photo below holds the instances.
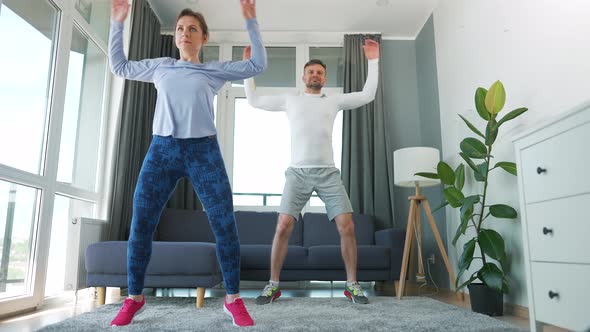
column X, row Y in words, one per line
column 475, row 210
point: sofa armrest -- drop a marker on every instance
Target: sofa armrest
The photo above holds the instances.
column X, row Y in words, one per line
column 394, row 239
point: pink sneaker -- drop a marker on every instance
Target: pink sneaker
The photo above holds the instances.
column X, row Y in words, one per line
column 130, row 309
column 237, row 310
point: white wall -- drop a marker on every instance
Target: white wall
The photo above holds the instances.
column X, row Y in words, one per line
column 540, row 50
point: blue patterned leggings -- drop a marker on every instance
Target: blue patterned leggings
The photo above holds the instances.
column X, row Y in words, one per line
column 168, row 159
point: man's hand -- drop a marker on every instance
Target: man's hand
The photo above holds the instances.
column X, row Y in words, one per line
column 247, row 53
column 248, row 8
column 119, row 10
column 371, row 49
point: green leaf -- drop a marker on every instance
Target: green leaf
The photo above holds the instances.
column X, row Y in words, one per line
column 472, row 127
column 492, row 244
column 480, row 104
column 495, row 98
column 492, row 276
column 473, row 199
column 513, row 114
column 503, row 211
column 469, row 161
column 474, row 148
column 428, row 175
column 461, row 229
column 471, row 279
column 453, row 196
column 460, row 176
column 507, row 166
column 491, row 133
column 442, row 205
column 458, row 232
column 466, row 257
column 466, row 209
column 446, row 174
column 482, row 171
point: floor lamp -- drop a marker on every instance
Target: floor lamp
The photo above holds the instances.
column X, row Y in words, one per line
column 406, row 163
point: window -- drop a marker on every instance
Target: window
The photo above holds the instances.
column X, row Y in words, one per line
column 18, row 215
column 261, row 154
column 97, row 13
column 52, row 120
column 258, row 143
column 83, row 110
column 209, row 53
column 281, row 67
column 333, row 57
column 25, row 81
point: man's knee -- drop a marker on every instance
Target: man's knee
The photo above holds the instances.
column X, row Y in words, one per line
column 284, row 225
column 345, row 225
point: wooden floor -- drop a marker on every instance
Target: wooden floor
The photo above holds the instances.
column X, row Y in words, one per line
column 60, row 309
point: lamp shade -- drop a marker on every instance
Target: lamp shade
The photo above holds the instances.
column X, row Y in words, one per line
column 409, row 161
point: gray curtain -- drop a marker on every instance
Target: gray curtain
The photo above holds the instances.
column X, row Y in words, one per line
column 367, row 165
column 135, row 131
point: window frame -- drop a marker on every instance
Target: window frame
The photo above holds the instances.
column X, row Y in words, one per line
column 67, row 18
column 226, row 108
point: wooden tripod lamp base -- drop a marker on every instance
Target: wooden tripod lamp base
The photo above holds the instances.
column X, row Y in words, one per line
column 413, row 233
column 408, row 162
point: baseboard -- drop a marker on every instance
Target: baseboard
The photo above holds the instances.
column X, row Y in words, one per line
column 516, row 310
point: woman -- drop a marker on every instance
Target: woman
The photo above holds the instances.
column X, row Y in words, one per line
column 184, row 144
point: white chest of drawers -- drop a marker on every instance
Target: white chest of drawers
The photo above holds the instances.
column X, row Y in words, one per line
column 553, row 162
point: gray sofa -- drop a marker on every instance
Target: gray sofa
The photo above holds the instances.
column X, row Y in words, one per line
column 184, row 255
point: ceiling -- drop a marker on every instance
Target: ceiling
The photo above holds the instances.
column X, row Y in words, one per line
column 395, row 19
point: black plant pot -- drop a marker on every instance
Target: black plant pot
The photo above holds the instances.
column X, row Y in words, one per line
column 486, row 300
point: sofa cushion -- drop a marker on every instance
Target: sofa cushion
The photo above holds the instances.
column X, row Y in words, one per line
column 257, row 256
column 168, row 258
column 318, row 230
column 184, row 226
column 259, row 228
column 329, row 257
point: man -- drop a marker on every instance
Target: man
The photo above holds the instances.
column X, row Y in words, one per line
column 311, row 119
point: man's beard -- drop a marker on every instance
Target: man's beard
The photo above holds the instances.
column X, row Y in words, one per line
column 314, row 86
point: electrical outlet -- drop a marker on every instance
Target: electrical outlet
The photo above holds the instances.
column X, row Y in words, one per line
column 431, row 258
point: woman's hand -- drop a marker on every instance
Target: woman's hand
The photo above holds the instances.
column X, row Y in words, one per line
column 248, row 8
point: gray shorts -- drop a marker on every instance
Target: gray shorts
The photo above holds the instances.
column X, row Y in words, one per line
column 300, row 183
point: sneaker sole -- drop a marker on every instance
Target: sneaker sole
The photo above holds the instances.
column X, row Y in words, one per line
column 233, row 321
column 232, row 316
column 350, row 297
column 276, row 296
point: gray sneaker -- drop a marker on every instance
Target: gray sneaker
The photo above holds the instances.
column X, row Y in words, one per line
column 269, row 294
column 355, row 293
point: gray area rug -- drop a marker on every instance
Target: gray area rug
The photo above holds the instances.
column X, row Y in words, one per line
column 292, row 314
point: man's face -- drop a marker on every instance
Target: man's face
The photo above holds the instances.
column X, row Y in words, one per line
column 314, row 77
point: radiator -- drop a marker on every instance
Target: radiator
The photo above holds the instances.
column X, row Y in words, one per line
column 81, row 233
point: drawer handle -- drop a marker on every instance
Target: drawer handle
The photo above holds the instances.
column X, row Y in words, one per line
column 541, row 170
column 547, row 230
column 553, row 294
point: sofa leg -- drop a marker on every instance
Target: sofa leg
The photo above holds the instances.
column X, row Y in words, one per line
column 200, row 297
column 101, row 294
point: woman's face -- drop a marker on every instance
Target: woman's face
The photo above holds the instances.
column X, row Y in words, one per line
column 188, row 36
